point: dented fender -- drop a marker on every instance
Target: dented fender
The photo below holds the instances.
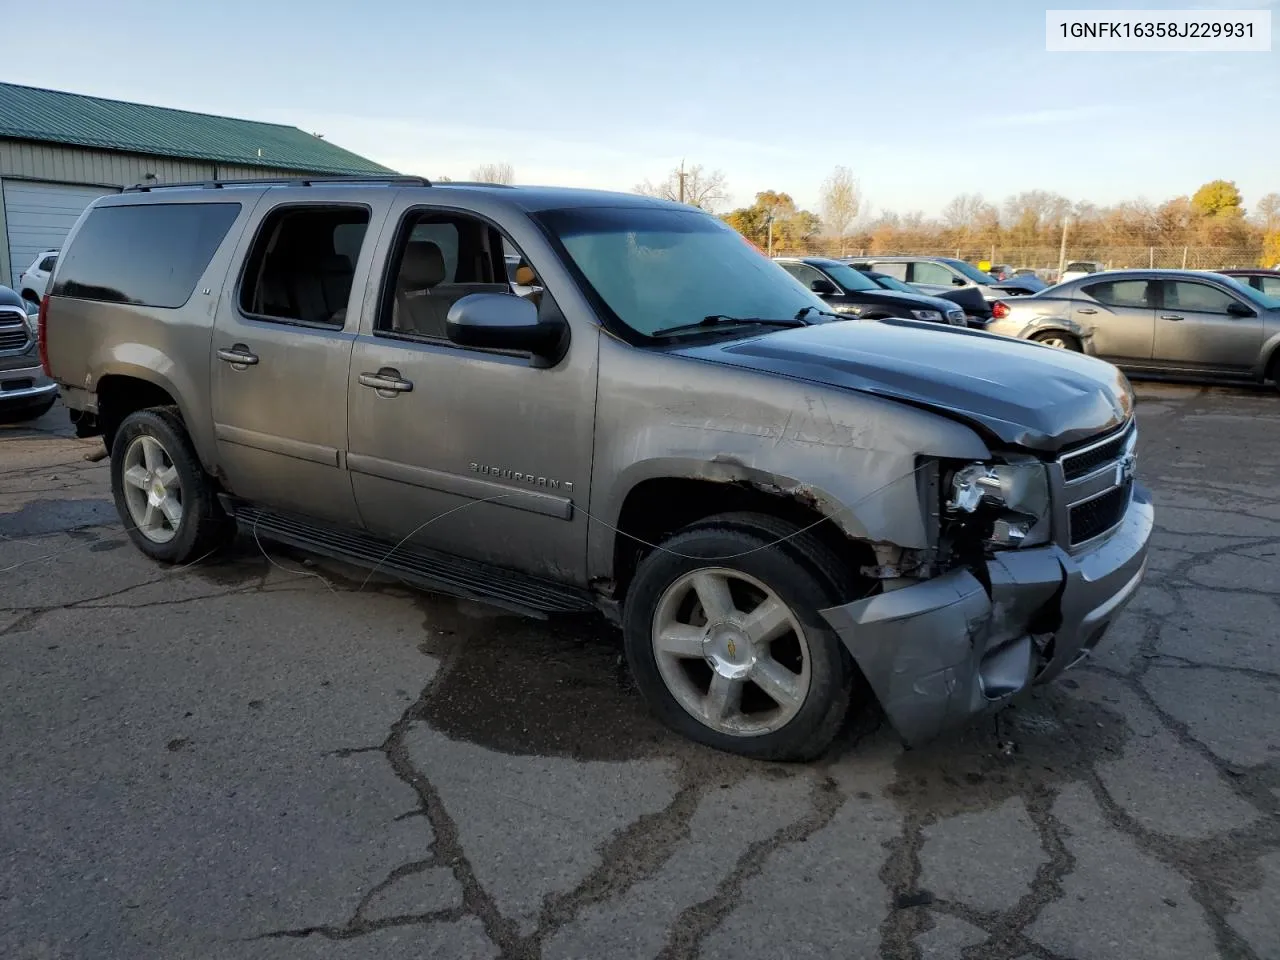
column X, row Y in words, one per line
column 852, row 457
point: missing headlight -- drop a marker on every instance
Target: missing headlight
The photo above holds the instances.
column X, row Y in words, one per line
column 1005, row 504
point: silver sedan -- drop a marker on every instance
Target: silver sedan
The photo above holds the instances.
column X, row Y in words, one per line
column 1173, row 322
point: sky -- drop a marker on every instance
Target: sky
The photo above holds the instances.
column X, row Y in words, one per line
column 921, row 99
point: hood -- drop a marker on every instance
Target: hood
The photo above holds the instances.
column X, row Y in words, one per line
column 1032, row 285
column 1024, row 394
column 908, row 301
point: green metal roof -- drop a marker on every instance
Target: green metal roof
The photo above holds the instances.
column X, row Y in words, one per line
column 51, row 116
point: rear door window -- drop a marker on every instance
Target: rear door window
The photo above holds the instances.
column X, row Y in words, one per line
column 1268, row 285
column 302, row 264
column 897, row 270
column 804, row 273
column 149, row 254
column 922, row 271
column 1121, row 293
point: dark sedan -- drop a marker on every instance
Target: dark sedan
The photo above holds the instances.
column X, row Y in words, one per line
column 851, row 292
column 976, row 312
column 1264, row 281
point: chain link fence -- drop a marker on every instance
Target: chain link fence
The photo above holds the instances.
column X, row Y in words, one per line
column 1046, row 258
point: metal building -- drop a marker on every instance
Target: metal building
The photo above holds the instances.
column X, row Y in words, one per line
column 60, row 151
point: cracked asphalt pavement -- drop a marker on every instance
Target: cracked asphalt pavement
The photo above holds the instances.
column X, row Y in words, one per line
column 262, row 756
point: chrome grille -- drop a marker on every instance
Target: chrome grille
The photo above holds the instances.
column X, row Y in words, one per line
column 1093, row 486
column 13, row 331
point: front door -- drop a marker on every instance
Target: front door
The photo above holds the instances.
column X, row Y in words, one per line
column 281, row 353
column 473, row 452
column 1121, row 315
column 1197, row 330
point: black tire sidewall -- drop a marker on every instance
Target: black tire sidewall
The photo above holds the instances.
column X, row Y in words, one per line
column 813, row 727
column 201, row 523
column 1072, row 344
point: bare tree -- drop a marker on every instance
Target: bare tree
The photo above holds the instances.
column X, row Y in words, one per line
column 494, row 173
column 964, row 211
column 839, row 204
column 1267, row 213
column 691, row 185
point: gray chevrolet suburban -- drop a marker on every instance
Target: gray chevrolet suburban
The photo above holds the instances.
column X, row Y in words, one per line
column 784, row 510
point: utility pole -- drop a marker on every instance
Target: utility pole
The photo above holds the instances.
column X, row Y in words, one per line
column 682, row 179
column 1062, row 249
column 769, row 222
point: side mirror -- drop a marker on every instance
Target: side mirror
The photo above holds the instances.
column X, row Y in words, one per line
column 1237, row 309
column 503, row 321
column 823, row 288
column 959, row 281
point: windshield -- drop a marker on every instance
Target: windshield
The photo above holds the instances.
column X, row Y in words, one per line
column 972, row 272
column 848, row 277
column 656, row 269
column 1253, row 294
column 893, row 283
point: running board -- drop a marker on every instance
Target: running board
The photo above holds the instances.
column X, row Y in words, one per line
column 429, row 569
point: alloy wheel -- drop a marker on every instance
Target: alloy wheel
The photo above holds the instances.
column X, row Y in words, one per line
column 731, row 652
column 152, row 489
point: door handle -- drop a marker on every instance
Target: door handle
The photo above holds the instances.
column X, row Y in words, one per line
column 1088, row 310
column 238, row 355
column 386, row 379
column 1170, row 316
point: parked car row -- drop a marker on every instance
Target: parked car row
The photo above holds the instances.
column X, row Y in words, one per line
column 792, row 509
column 1179, row 322
column 853, row 293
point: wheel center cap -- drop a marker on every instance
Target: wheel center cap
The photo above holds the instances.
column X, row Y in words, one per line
column 728, row 651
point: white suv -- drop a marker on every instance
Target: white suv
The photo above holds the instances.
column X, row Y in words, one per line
column 35, row 278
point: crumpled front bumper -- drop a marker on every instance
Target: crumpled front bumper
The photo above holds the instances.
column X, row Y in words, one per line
column 943, row 650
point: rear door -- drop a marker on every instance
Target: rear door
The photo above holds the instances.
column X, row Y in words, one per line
column 934, row 278
column 1195, row 329
column 281, row 350
column 1121, row 315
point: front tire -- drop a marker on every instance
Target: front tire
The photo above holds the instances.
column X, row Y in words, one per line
column 725, row 642
column 1059, row 341
column 165, row 499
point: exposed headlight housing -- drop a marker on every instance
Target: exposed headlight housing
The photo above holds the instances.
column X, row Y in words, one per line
column 932, row 316
column 852, row 309
column 1013, row 497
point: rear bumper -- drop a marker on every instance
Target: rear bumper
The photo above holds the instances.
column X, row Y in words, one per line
column 942, row 650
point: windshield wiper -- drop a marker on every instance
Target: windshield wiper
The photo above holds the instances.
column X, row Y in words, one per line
column 805, row 311
column 719, row 319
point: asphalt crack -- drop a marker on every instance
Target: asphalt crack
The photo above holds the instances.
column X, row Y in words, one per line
column 695, row 923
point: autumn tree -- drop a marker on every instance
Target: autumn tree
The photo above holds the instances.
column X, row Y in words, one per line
column 494, row 173
column 1173, row 221
column 691, row 185
column 793, row 229
column 1218, row 198
column 840, row 202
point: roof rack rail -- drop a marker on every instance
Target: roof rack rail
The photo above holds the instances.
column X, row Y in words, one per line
column 277, row 182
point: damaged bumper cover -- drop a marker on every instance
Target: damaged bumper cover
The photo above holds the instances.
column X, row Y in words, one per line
column 943, row 650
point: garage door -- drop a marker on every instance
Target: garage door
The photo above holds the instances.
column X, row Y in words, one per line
column 39, row 216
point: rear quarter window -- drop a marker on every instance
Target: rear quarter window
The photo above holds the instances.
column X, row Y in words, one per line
column 150, row 255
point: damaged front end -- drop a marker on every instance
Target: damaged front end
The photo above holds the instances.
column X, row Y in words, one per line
column 1025, row 596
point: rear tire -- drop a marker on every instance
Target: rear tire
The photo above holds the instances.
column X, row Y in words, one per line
column 1060, row 341
column 725, row 642
column 165, row 499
